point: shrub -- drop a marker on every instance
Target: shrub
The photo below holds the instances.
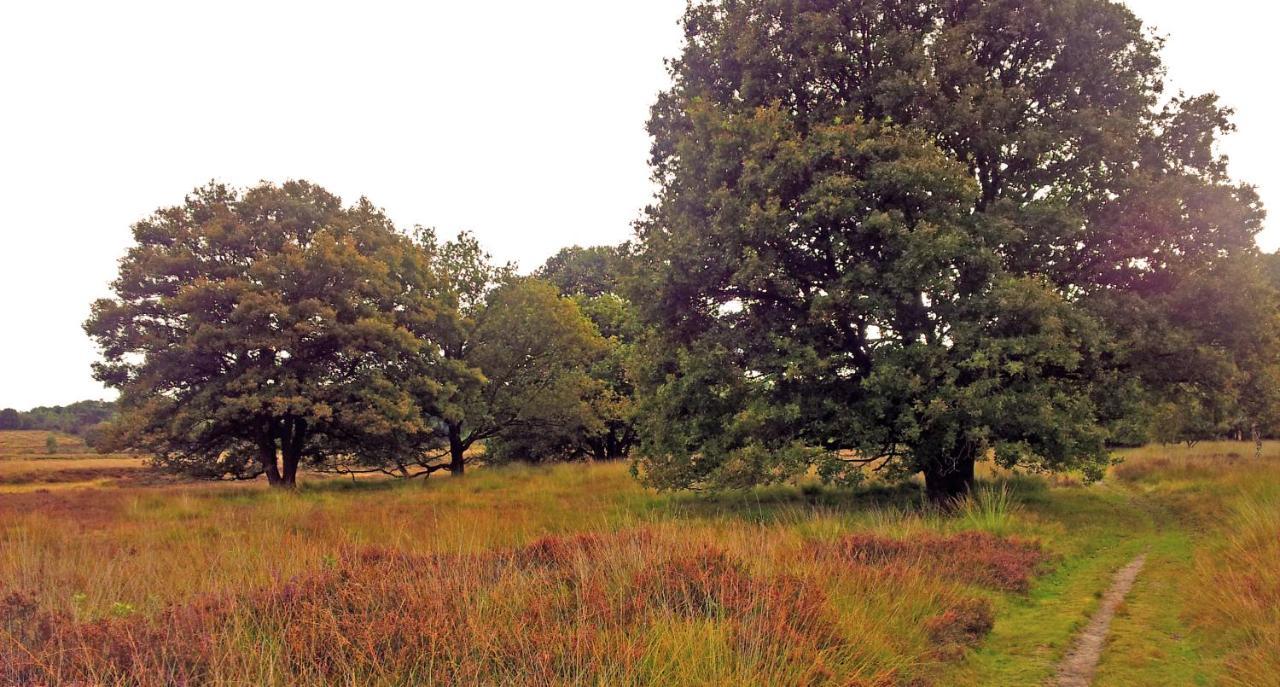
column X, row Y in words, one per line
column 961, row 626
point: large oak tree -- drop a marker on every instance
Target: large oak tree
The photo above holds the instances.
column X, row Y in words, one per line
column 253, row 332
column 916, row 233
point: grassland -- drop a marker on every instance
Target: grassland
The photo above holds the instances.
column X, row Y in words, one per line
column 576, row 575
column 26, row 464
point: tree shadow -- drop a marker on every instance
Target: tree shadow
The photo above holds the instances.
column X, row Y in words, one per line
column 780, row 503
column 767, row 505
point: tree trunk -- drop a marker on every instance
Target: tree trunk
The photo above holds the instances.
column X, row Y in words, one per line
column 944, row 483
column 267, row 456
column 292, row 443
column 457, row 451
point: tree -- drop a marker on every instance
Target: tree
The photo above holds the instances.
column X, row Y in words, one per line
column 613, row 435
column 10, row 419
column 913, row 235
column 603, row 427
column 513, row 359
column 51, row 444
column 593, row 278
column 1221, row 326
column 587, row 272
column 253, row 332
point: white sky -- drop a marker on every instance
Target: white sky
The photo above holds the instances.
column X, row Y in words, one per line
column 521, row 121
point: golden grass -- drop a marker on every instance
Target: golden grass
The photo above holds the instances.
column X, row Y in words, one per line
column 31, row 444
column 1226, row 498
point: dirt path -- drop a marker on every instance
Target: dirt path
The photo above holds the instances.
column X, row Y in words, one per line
column 1078, row 667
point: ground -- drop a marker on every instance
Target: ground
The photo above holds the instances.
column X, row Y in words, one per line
column 576, row 575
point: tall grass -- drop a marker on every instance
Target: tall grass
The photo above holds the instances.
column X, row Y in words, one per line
column 989, row 508
column 1238, row 583
column 1230, row 498
column 575, row 575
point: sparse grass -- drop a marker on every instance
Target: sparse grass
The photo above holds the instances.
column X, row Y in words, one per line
column 575, row 575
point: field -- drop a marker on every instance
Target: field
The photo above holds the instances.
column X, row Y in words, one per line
column 26, row 464
column 576, row 575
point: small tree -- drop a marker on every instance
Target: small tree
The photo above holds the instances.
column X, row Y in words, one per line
column 512, row 361
column 593, row 277
column 51, row 444
column 10, row 419
column 253, row 332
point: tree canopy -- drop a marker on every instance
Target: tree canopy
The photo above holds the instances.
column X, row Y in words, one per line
column 77, row 418
column 917, row 234
column 588, row 272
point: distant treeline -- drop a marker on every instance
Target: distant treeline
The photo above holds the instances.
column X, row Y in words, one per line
column 77, row 418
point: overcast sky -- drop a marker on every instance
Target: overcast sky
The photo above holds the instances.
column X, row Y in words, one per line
column 521, row 121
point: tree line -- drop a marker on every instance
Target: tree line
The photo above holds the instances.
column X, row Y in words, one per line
column 901, row 236
column 256, row 332
column 79, row 418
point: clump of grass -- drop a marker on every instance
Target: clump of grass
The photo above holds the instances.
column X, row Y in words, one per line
column 989, row 508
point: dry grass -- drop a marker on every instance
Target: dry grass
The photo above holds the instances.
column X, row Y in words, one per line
column 1230, row 499
column 31, row 444
column 581, row 609
column 1240, row 583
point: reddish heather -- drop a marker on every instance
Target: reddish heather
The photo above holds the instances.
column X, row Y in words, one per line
column 537, row 615
column 85, row 508
column 971, row 557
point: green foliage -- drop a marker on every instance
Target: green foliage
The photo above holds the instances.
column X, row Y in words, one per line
column 51, row 444
column 1209, row 351
column 251, row 332
column 922, row 234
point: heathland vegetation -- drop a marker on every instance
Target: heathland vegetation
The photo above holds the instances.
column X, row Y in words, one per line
column 920, row 281
column 576, row 574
